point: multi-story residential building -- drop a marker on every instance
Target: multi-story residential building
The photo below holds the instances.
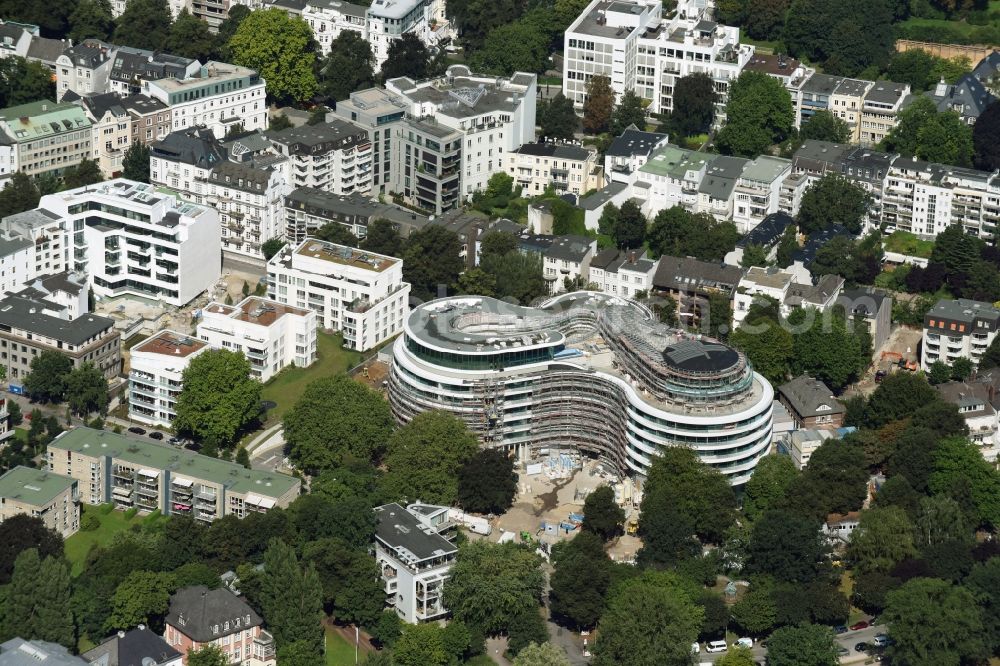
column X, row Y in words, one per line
column 880, row 110
column 379, row 112
column 792, row 73
column 52, row 498
column 14, row 40
column 335, row 156
column 958, row 329
column 361, row 294
column 49, row 237
column 757, row 192
column 307, row 210
column 150, row 118
column 112, row 130
column 133, row 68
column 43, row 138
column 132, row 239
column 493, row 116
column 566, row 167
column 30, row 325
column 671, row 177
column 566, row 262
column 968, row 97
column 766, row 235
column 149, row 476
column 869, row 308
column 19, row 652
column 137, row 647
column 414, row 558
column 978, row 403
column 271, row 335
column 637, row 48
column 198, row 617
column 388, row 20
column 630, row 151
column 815, row 95
column 328, row 18
column 249, row 201
column 64, row 293
column 427, row 170
column 635, row 385
column 622, row 273
column 84, row 68
column 801, row 444
column 811, row 404
column 690, row 282
column 781, row 286
column 847, row 102
column 220, row 97
column 716, row 190
column 154, row 382
column 16, row 263
column 184, row 158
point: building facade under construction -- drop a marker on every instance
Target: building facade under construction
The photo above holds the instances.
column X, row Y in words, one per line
column 584, row 371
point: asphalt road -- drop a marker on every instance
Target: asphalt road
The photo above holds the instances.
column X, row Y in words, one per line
column 846, row 640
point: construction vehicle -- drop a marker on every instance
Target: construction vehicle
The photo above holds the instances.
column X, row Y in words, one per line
column 632, row 527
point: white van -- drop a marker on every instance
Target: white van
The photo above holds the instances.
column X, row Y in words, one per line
column 716, row 646
column 745, row 642
column 695, row 648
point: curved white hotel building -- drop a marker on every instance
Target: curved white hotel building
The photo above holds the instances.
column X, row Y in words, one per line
column 584, row 370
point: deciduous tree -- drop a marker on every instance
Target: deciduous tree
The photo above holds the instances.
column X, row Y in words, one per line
column 189, row 37
column 85, row 173
column 349, row 66
column 209, row 655
column 933, row 622
column 135, row 164
column 601, row 513
column 337, row 417
column 280, row 48
column 519, row 46
column 383, row 238
column 767, row 487
column 431, row 260
column 46, row 382
column 957, row 460
column 882, row 539
column 491, row 583
column 92, row 19
column 786, row 545
column 37, row 600
column 19, row 194
column 986, row 138
column 824, row 126
column 598, row 104
column 557, row 119
column 630, row 110
column 758, row 114
column 545, row 654
column 582, row 558
column 219, row 399
column 145, row 24
column 291, row 598
column 87, row 390
column 804, row 645
column 833, row 199
column 694, row 105
column 407, row 56
column 650, row 620
column 424, row 458
column 142, row 598
column 487, row 482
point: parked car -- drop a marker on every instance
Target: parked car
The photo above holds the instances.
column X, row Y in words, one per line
column 716, row 646
column 843, row 652
column 857, row 626
column 137, row 430
column 174, row 440
column 695, row 648
column 156, row 434
column 745, row 641
column 881, row 641
column 861, row 647
column 840, row 629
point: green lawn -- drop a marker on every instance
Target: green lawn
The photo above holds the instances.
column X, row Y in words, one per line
column 340, row 652
column 906, row 243
column 78, row 545
column 550, row 81
column 288, row 386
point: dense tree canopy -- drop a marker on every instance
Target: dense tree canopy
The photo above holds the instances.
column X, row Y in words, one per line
column 986, row 138
column 46, row 381
column 833, row 199
column 694, row 105
column 556, row 118
column 601, row 513
column 23, row 81
column 424, row 458
column 804, row 645
column 219, row 399
column 487, row 482
column 281, row 49
column 824, row 126
column 431, row 260
column 337, row 417
column 145, row 24
column 349, row 66
column 758, row 114
column 598, row 104
column 679, row 233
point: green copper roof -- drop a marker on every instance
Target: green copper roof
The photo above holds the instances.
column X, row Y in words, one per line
column 37, row 487
column 37, row 120
column 180, row 462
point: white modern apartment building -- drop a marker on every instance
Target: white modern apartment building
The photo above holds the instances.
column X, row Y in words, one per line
column 361, row 294
column 220, row 97
column 493, row 115
column 379, row 112
column 566, row 261
column 956, row 329
column 16, row 263
column 584, row 371
column 388, row 20
column 414, row 558
column 155, row 379
column 132, row 239
column 636, row 47
column 328, row 18
column 84, row 68
column 271, row 335
column 781, row 286
column 335, row 156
